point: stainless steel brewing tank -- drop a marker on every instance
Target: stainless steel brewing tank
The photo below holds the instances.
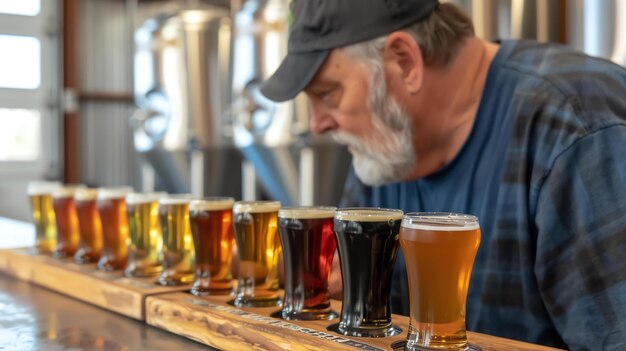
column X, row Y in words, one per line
column 290, row 164
column 182, row 87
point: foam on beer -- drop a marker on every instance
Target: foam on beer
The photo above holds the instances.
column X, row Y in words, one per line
column 42, row 188
column 114, row 193
column 307, row 212
column 368, row 214
column 256, row 206
column 216, row 204
column 448, row 223
column 142, row 198
column 66, row 191
column 177, row 199
column 86, row 194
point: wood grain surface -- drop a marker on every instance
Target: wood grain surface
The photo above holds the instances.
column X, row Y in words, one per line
column 212, row 321
column 109, row 290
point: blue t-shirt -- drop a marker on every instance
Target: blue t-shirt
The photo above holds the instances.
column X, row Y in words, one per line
column 544, row 169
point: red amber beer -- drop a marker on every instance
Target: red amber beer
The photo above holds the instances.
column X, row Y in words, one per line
column 90, row 244
column 40, row 195
column 367, row 241
column 308, row 242
column 213, row 240
column 112, row 210
column 439, row 251
column 145, row 250
column 67, row 221
column 258, row 247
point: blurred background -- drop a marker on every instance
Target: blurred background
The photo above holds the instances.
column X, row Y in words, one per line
column 163, row 95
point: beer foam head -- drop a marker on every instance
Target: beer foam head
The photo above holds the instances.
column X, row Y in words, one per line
column 142, row 198
column 86, row 194
column 256, row 206
column 42, row 188
column 114, row 193
column 66, row 191
column 307, row 212
column 440, row 221
column 176, row 199
column 212, row 204
column 368, row 214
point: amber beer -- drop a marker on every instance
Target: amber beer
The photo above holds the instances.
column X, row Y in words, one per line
column 66, row 220
column 258, row 246
column 112, row 210
column 90, row 243
column 308, row 242
column 367, row 241
column 213, row 239
column 145, row 251
column 439, row 251
column 40, row 194
column 178, row 249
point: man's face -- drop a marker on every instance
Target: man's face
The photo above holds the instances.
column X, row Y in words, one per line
column 350, row 100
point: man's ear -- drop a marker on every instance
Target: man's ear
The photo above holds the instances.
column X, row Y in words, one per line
column 403, row 58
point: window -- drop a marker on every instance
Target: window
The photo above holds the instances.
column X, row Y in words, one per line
column 20, row 66
column 20, row 7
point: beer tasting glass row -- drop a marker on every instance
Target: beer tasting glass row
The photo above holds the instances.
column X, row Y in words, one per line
column 187, row 240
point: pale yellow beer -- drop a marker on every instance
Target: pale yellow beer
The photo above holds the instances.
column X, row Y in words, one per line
column 439, row 251
column 112, row 210
column 90, row 243
column 145, row 251
column 258, row 246
column 66, row 220
column 178, row 249
column 40, row 194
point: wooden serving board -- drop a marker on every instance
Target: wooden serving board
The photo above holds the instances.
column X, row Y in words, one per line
column 109, row 290
column 212, row 321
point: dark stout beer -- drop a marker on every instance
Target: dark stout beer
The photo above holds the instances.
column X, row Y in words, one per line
column 367, row 241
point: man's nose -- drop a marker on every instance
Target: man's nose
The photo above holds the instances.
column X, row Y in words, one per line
column 321, row 120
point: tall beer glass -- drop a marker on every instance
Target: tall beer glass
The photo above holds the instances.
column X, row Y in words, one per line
column 212, row 229
column 145, row 251
column 258, row 246
column 67, row 221
column 40, row 194
column 439, row 250
column 308, row 242
column 90, row 243
column 112, row 209
column 178, row 250
column 367, row 241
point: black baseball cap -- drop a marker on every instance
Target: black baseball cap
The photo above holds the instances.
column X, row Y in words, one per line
column 322, row 25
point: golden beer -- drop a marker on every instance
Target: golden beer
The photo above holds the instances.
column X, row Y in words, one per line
column 40, row 194
column 213, row 239
column 66, row 220
column 178, row 249
column 145, row 252
column 90, row 244
column 112, row 209
column 258, row 246
column 439, row 250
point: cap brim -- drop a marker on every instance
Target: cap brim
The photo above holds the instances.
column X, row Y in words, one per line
column 293, row 75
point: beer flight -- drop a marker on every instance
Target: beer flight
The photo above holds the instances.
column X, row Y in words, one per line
column 181, row 239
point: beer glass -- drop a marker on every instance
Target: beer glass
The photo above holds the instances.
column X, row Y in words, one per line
column 67, row 221
column 213, row 239
column 145, row 250
column 367, row 241
column 40, row 194
column 112, row 210
column 439, row 250
column 308, row 242
column 89, row 224
column 258, row 246
column 178, row 250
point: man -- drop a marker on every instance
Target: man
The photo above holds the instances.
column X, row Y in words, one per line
column 529, row 137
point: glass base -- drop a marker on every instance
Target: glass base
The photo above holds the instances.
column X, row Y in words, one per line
column 175, row 280
column 210, row 292
column 402, row 346
column 143, row 272
column 256, row 302
column 306, row 315
column 383, row 332
column 84, row 257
